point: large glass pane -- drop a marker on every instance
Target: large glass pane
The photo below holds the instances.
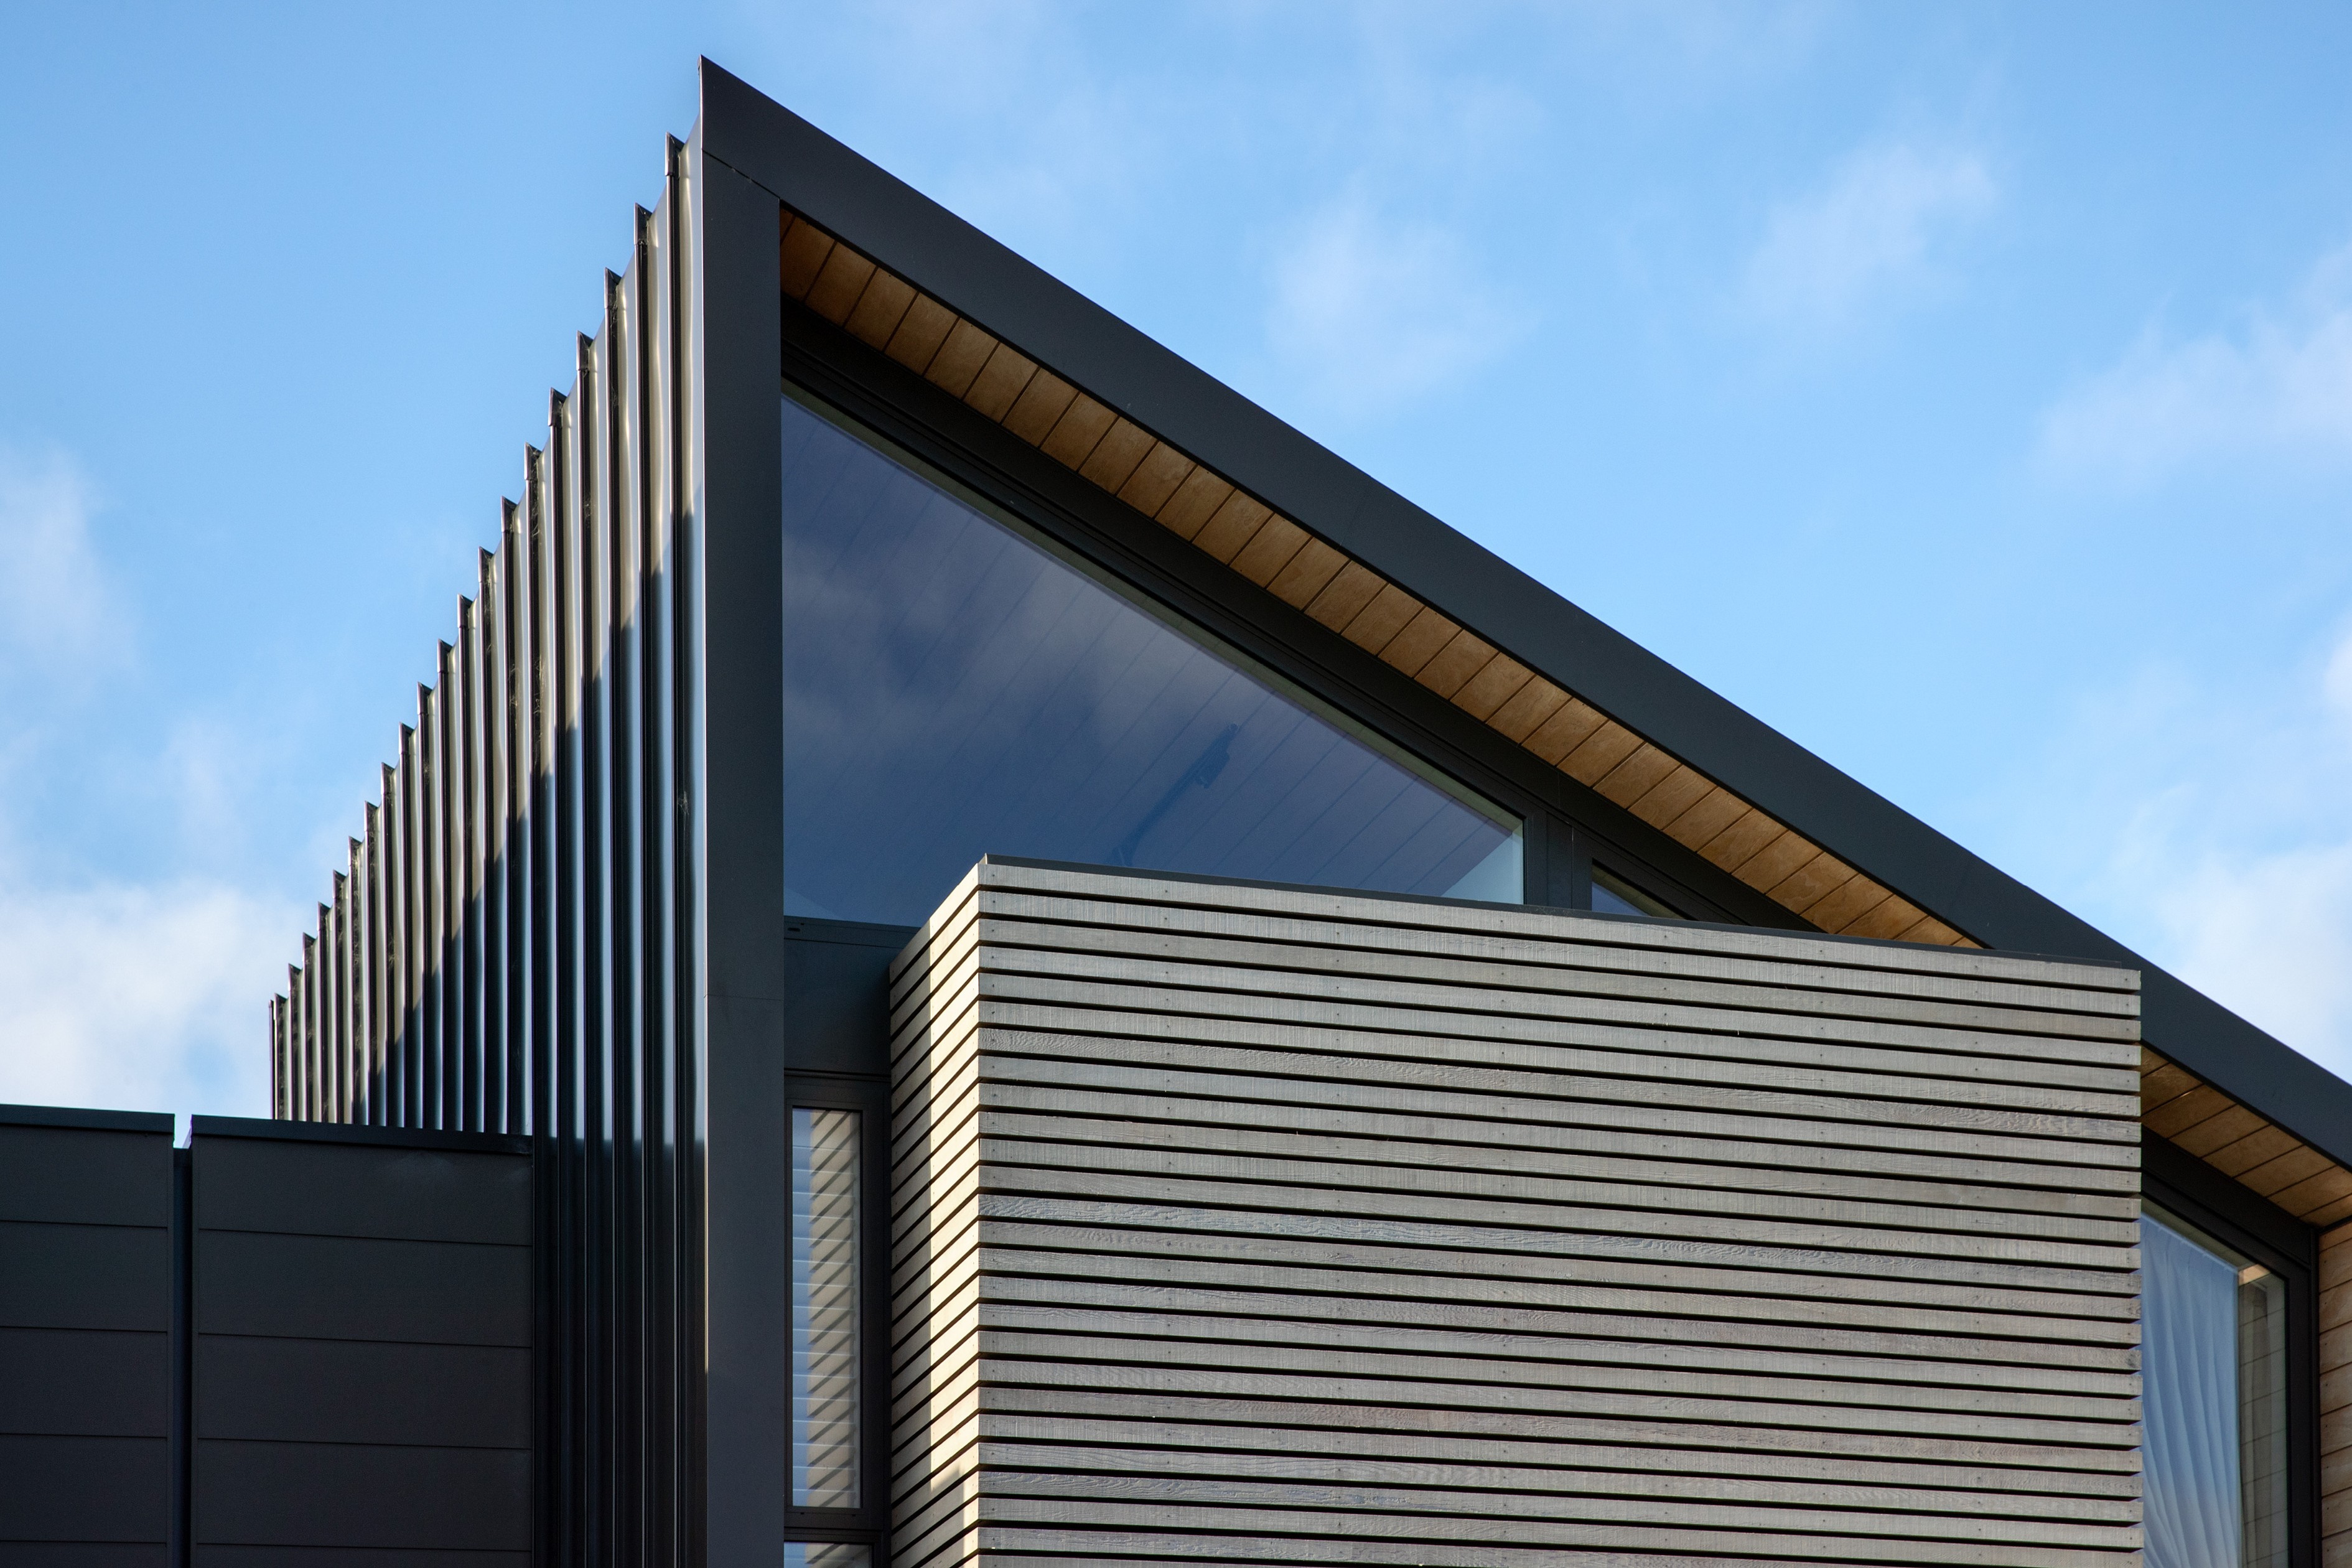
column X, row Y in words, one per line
column 954, row 687
column 2213, row 1375
column 826, row 1554
column 824, row 1307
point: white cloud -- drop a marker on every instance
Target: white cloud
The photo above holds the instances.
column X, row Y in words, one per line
column 2232, row 864
column 57, row 610
column 130, row 997
column 1371, row 311
column 2278, row 386
column 1865, row 237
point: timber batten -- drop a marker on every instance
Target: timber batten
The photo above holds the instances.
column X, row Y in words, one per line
column 1213, row 1239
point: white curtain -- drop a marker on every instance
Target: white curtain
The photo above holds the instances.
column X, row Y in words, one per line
column 2188, row 1374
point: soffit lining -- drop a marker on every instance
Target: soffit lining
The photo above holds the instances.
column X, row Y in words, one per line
column 1276, row 553
column 2241, row 1144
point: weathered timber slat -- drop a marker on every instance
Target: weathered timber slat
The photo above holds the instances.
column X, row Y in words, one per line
column 1266, row 1226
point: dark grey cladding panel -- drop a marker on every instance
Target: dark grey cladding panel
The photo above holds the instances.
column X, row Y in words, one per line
column 88, row 1554
column 354, row 1495
column 83, row 1489
column 86, row 1384
column 85, row 1176
column 362, row 1190
column 311, row 1287
column 84, row 1277
column 340, row 1391
column 352, row 1557
column 836, row 974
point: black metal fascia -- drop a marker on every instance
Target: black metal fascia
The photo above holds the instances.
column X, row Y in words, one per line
column 86, row 1121
column 356, row 1132
column 930, row 246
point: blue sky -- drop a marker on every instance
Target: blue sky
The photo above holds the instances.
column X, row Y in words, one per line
column 1966, row 390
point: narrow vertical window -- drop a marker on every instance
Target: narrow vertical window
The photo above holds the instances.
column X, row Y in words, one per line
column 2213, row 1369
column 825, row 1315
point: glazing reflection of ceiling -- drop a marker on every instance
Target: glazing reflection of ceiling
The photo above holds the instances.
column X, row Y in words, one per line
column 953, row 689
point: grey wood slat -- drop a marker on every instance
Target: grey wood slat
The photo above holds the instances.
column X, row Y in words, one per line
column 1940, row 1205
column 1365, row 1294
column 1589, row 1232
column 1150, row 1065
column 1376, row 1217
column 1940, row 1358
column 1570, row 947
column 1057, row 1520
column 1924, row 1379
column 2105, row 1016
column 1753, row 1032
column 2093, row 1319
column 1895, row 1390
column 1921, row 1062
column 1014, row 1004
column 1287, row 1480
column 2104, row 1191
column 2022, row 1494
column 1312, row 1423
column 1389, row 1378
column 1677, row 938
column 1643, row 1206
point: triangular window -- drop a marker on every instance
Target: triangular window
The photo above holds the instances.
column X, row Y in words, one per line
column 955, row 685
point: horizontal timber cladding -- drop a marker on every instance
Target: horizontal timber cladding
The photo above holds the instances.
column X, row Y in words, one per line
column 1279, row 1226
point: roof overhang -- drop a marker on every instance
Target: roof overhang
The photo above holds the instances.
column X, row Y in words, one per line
column 818, row 177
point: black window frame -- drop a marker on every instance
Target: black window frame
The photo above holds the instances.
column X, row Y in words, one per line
column 868, row 1523
column 2243, row 1220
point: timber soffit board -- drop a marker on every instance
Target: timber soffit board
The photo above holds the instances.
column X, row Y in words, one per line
column 1272, row 551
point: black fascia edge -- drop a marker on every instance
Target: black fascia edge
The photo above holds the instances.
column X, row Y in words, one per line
column 89, row 1121
column 913, row 235
column 346, row 1132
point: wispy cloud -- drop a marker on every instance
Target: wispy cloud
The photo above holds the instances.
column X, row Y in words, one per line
column 1371, row 311
column 58, row 612
column 2204, row 824
column 1866, row 238
column 2277, row 385
column 142, row 998
column 115, row 991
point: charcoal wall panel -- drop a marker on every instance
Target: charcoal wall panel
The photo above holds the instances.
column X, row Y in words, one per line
column 85, row 1275
column 357, row 1390
column 364, row 1287
column 84, row 1488
column 85, row 1175
column 413, row 1193
column 345, row 1391
column 364, row 1495
column 85, row 1345
column 88, row 1554
column 85, row 1383
column 353, row 1557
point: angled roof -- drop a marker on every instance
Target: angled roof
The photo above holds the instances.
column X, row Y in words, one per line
column 876, row 257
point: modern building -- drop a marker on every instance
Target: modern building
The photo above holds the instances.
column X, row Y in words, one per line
column 1069, row 979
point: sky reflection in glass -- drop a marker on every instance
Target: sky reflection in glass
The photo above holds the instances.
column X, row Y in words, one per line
column 953, row 688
